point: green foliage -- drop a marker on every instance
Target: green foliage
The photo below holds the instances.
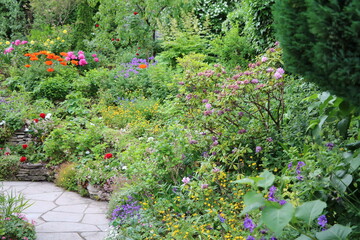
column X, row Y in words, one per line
column 14, row 18
column 233, row 49
column 84, row 24
column 315, row 47
column 17, row 227
column 67, row 177
column 8, row 165
column 53, row 88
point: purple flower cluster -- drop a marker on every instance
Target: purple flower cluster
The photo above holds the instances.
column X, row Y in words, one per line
column 272, row 198
column 126, row 211
column 322, row 221
column 130, row 68
column 330, row 145
column 300, row 164
column 249, row 224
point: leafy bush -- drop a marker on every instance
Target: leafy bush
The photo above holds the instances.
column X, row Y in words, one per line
column 53, row 88
column 314, row 48
column 9, row 165
column 67, row 177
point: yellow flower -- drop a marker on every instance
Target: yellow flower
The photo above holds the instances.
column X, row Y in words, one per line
column 65, row 31
column 48, row 40
column 7, row 42
column 58, row 38
column 51, row 42
column 32, row 42
column 63, row 40
column 1, row 43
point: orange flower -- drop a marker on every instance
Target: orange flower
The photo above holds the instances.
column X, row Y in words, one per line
column 63, row 63
column 64, row 54
column 27, row 65
column 142, row 66
column 50, row 70
column 33, row 58
column 74, row 62
column 43, row 52
column 27, row 54
column 60, row 59
column 50, row 56
column 49, row 63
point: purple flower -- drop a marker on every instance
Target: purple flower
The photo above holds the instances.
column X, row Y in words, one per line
column 193, row 142
column 290, row 165
column 181, row 83
column 254, row 81
column 205, row 154
column 282, row 202
column 186, row 180
column 264, row 59
column 220, row 112
column 258, row 149
column 269, row 70
column 208, row 106
column 250, row 238
column 322, row 221
column 241, row 114
column 205, row 101
column 204, row 186
column 215, row 143
column 330, row 145
column 242, row 131
column 215, row 170
column 280, row 70
column 269, row 139
column 249, row 224
column 277, row 75
column 221, row 218
column 271, row 195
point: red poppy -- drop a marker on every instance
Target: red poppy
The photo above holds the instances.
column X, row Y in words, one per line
column 27, row 65
column 50, row 70
column 36, row 120
column 23, row 159
column 108, row 155
column 113, row 39
column 7, row 153
column 137, row 54
column 42, row 115
column 136, row 13
column 24, row 146
column 117, row 39
column 97, row 25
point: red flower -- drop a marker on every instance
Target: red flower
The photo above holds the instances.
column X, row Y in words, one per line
column 117, row 39
column 136, row 13
column 139, row 48
column 137, row 54
column 36, row 120
column 24, row 146
column 23, row 159
column 97, row 25
column 42, row 115
column 113, row 39
column 108, row 155
column 7, row 153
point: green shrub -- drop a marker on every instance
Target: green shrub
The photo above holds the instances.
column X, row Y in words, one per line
column 67, row 177
column 14, row 22
column 320, row 41
column 9, row 165
column 53, row 88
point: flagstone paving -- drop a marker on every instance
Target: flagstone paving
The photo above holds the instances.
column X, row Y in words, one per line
column 59, row 214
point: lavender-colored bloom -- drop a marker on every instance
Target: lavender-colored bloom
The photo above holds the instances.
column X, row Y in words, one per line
column 280, row 70
column 242, row 131
column 282, row 202
column 241, row 114
column 269, row 70
column 214, row 138
column 215, row 170
column 264, row 59
column 277, row 75
column 127, row 211
column 221, row 218
column 208, row 106
column 322, row 221
column 220, row 112
column 207, row 113
column 193, row 142
column 271, row 195
column 250, row 238
column 269, row 139
column 215, row 143
column 290, row 165
column 271, row 49
column 249, row 224
column 203, row 133
column 204, row 186
column 254, row 81
column 258, row 149
column 186, row 180
column 205, row 101
column 273, row 238
column 330, row 145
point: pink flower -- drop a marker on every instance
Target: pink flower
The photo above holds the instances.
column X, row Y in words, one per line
column 80, row 52
column 277, row 75
column 215, row 170
column 17, row 42
column 81, row 56
column 204, row 186
column 94, row 55
column 186, row 180
column 96, row 60
column 280, row 70
column 82, row 62
column 67, row 59
column 264, row 59
column 23, row 42
column 208, row 106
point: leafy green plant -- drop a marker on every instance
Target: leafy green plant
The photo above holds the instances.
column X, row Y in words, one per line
column 9, row 165
column 67, row 177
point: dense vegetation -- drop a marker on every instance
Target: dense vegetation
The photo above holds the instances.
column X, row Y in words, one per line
column 185, row 112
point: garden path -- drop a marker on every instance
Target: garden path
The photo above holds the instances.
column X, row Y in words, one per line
column 61, row 214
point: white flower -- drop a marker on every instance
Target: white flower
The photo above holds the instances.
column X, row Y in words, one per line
column 2, row 122
column 48, row 116
column 87, row 152
column 124, row 168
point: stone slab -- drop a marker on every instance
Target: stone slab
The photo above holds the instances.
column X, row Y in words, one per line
column 65, row 227
column 58, row 236
column 63, row 217
column 52, row 196
column 77, row 208
column 71, row 198
column 40, row 207
column 93, row 235
column 95, row 219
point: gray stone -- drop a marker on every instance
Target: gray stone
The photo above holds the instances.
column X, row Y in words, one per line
column 78, row 208
column 93, row 235
column 58, row 236
column 64, row 227
column 52, row 196
column 39, row 207
column 70, row 198
column 63, row 217
column 95, row 219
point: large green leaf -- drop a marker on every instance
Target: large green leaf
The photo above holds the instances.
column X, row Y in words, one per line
column 310, row 210
column 303, row 237
column 336, row 232
column 267, row 181
column 276, row 218
column 252, row 200
column 341, row 181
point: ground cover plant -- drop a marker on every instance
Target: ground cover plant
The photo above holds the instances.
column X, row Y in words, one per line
column 197, row 129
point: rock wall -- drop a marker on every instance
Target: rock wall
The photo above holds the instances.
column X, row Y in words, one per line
column 32, row 172
column 20, row 137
